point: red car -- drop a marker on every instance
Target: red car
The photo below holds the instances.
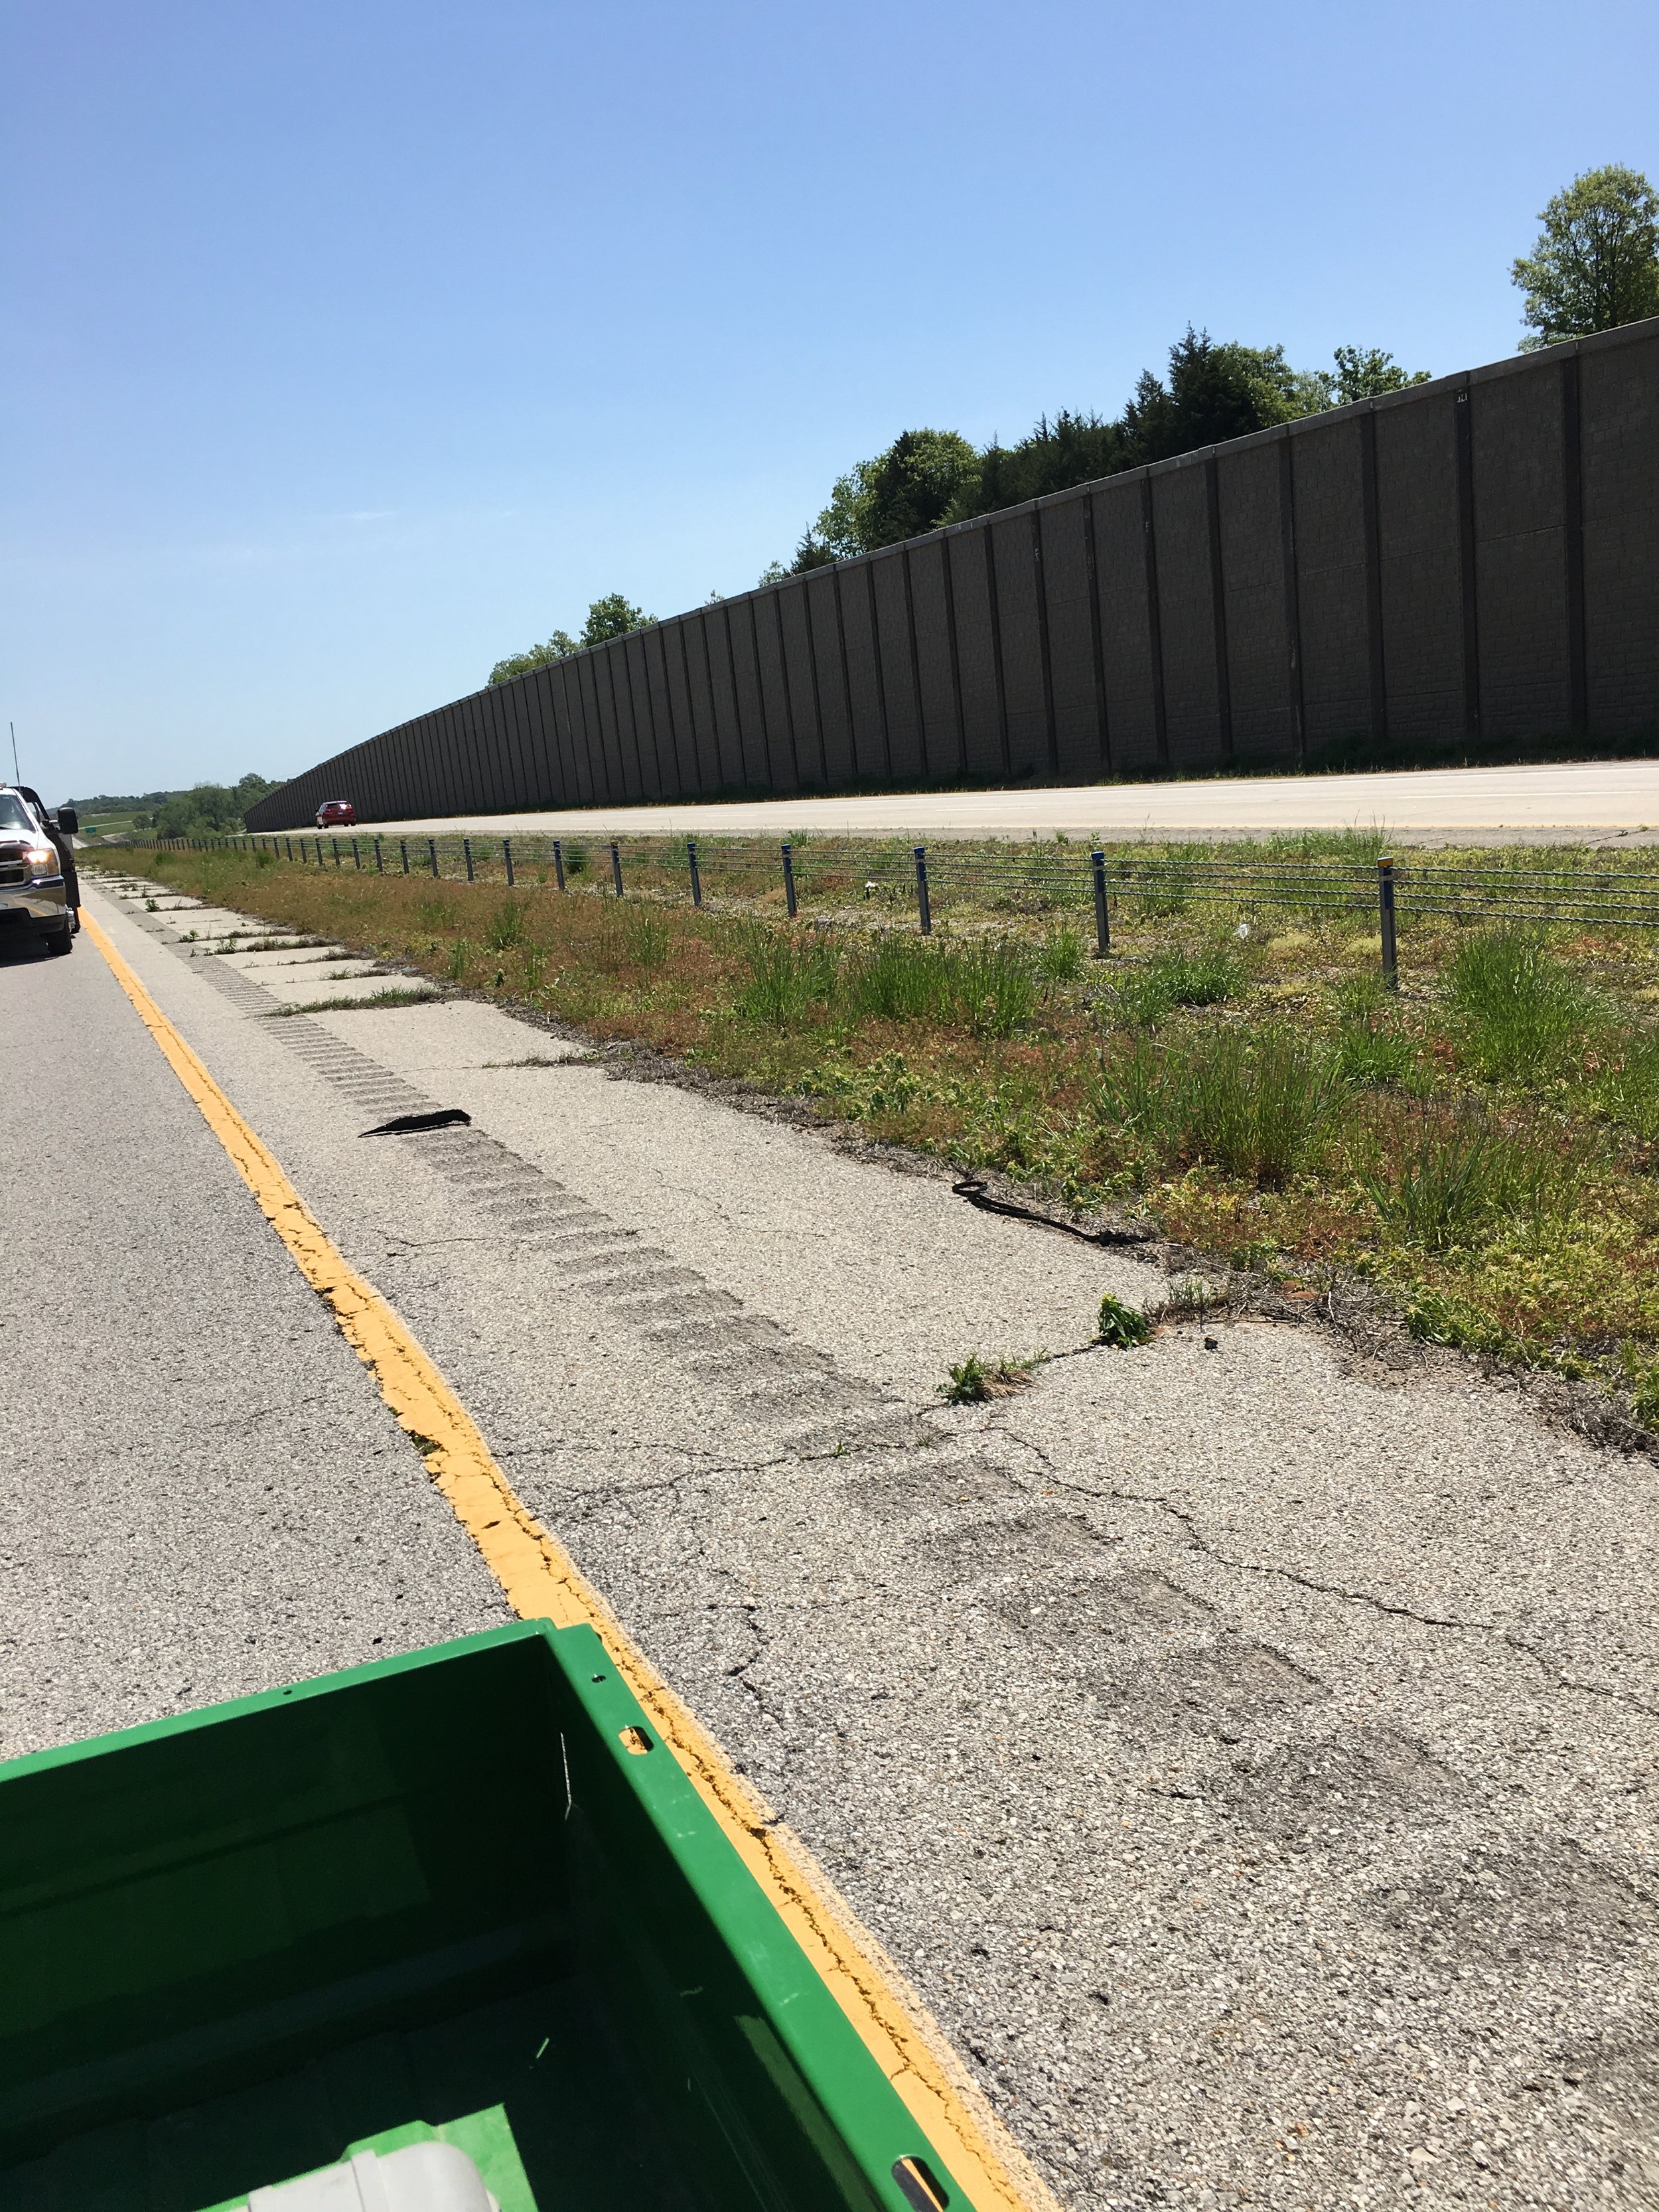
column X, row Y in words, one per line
column 336, row 814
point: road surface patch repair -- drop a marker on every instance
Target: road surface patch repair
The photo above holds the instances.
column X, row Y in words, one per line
column 1250, row 1756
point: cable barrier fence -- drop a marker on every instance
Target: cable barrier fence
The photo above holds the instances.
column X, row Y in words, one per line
column 911, row 884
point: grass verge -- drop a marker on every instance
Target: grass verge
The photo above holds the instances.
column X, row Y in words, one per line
column 1484, row 1147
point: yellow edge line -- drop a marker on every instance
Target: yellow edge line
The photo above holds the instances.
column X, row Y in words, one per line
column 542, row 1582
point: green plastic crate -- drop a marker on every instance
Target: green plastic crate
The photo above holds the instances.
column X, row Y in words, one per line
column 235, row 1944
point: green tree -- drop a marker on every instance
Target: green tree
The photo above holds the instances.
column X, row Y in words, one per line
column 902, row 493
column 838, row 533
column 209, row 810
column 1366, row 373
column 914, row 484
column 1597, row 262
column 612, row 617
column 559, row 646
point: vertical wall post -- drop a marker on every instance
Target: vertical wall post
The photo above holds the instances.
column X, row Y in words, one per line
column 1296, row 700
column 466, row 849
column 1371, row 525
column 1102, row 920
column 1154, row 619
column 1224, row 689
column 696, row 879
column 1572, row 519
column 1385, row 916
column 558, row 862
column 1463, row 433
column 788, row 880
column 506, row 855
column 924, row 910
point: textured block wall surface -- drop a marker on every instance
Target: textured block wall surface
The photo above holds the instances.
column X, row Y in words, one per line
column 1477, row 558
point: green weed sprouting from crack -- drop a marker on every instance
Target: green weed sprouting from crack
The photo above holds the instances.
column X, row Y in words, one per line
column 1192, row 1296
column 396, row 997
column 973, row 1379
column 1122, row 1326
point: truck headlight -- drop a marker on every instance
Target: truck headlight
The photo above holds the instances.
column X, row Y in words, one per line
column 42, row 860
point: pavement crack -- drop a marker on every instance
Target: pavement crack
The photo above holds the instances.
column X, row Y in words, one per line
column 1391, row 1608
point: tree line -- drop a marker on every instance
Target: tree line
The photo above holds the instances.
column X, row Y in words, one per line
column 206, row 810
column 1212, row 391
column 1594, row 267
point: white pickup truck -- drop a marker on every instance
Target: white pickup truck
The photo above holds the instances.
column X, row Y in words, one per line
column 40, row 892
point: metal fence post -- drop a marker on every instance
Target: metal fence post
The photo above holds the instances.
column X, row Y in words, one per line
column 403, row 847
column 616, row 868
column 320, row 851
column 696, row 880
column 789, row 881
column 1102, row 920
column 466, row 849
column 356, row 857
column 558, row 862
column 506, row 855
column 379, row 859
column 288, row 841
column 432, row 849
column 1385, row 915
column 334, row 844
column 924, row 911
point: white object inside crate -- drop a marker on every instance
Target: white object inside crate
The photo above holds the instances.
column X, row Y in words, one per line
column 425, row 2176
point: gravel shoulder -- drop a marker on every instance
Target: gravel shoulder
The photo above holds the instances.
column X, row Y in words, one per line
column 1250, row 1758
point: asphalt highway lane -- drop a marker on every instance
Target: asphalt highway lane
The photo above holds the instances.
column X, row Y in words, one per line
column 1252, row 1757
column 202, row 1494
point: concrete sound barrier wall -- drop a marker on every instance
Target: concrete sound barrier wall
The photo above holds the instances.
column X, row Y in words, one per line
column 1474, row 559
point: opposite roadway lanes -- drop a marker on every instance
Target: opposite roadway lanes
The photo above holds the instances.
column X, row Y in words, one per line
column 1250, row 1754
column 1617, row 801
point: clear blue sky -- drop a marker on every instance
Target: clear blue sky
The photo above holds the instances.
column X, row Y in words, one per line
column 353, row 345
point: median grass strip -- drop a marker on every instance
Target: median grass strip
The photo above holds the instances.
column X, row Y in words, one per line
column 1484, row 1146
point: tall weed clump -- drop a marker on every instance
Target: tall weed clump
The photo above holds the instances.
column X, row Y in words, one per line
column 991, row 988
column 1147, row 995
column 1521, row 1012
column 505, row 927
column 1259, row 1107
column 1629, row 1090
column 1444, row 1177
column 790, row 977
